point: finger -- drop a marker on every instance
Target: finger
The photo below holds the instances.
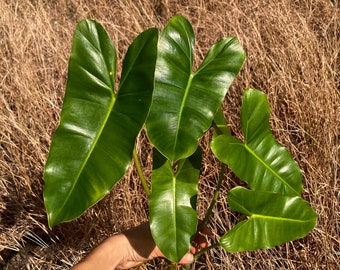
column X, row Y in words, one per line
column 205, row 230
column 194, row 248
column 187, row 259
column 201, row 241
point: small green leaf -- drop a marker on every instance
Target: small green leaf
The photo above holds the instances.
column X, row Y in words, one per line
column 273, row 220
column 260, row 160
column 173, row 218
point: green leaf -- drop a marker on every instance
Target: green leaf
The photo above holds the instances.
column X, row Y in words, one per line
column 260, row 160
column 92, row 146
column 173, row 219
column 185, row 102
column 273, row 220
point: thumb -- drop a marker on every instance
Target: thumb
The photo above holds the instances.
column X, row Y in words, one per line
column 187, row 259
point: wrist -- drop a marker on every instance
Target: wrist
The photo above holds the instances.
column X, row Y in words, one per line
column 116, row 247
column 108, row 255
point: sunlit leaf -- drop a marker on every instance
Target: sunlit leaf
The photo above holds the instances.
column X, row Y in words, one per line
column 185, row 102
column 272, row 220
column 259, row 160
column 173, row 218
column 92, row 146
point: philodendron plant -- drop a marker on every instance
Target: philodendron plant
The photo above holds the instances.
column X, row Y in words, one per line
column 94, row 143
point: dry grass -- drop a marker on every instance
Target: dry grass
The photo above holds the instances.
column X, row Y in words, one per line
column 292, row 49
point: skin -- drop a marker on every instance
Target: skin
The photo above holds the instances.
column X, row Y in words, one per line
column 132, row 248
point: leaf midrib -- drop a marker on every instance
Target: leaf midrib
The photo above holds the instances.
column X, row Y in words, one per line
column 269, row 168
column 174, row 220
column 259, row 216
column 186, row 92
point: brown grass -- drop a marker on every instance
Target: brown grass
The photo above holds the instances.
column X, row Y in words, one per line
column 292, row 49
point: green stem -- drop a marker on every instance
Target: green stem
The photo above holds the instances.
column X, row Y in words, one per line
column 218, row 187
column 212, row 203
column 214, row 199
column 217, row 129
column 140, row 172
column 215, row 245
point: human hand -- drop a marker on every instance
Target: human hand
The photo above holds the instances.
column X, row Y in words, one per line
column 132, row 248
column 142, row 247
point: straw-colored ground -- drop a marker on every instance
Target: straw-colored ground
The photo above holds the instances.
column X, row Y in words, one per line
column 292, row 48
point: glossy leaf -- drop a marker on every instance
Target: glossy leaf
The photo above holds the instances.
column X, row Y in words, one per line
column 173, row 219
column 260, row 160
column 272, row 220
column 185, row 102
column 92, row 146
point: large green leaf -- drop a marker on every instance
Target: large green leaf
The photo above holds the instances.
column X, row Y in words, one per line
column 92, row 146
column 260, row 160
column 173, row 219
column 185, row 102
column 273, row 220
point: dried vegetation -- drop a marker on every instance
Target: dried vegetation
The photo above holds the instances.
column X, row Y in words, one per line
column 293, row 56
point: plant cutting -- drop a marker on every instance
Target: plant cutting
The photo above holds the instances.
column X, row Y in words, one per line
column 159, row 91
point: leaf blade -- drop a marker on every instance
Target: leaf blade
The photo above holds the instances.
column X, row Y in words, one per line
column 172, row 204
column 260, row 160
column 273, row 220
column 184, row 102
column 82, row 165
